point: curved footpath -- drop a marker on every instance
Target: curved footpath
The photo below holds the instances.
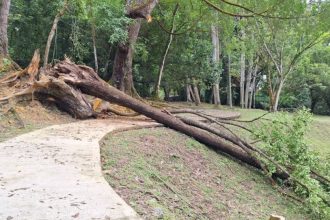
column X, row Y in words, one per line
column 55, row 174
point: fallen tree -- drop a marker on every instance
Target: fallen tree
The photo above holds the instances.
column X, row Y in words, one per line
column 67, row 83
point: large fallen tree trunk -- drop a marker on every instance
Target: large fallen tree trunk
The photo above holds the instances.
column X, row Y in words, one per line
column 85, row 79
column 67, row 83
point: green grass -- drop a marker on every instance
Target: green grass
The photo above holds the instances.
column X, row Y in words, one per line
column 162, row 169
column 318, row 136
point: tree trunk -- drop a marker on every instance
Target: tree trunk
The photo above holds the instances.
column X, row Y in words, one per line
column 242, row 80
column 168, row 45
column 188, row 96
column 87, row 81
column 4, row 13
column 216, row 61
column 248, row 84
column 252, row 93
column 122, row 77
column 192, row 94
column 196, row 93
column 52, row 31
column 229, row 89
column 253, row 86
column 94, row 47
column 277, row 94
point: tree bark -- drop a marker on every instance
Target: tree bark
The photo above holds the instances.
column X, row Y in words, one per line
column 229, row 89
column 248, row 84
column 52, row 31
column 253, row 86
column 216, row 62
column 252, row 93
column 4, row 13
column 242, row 79
column 122, row 77
column 277, row 94
column 196, row 93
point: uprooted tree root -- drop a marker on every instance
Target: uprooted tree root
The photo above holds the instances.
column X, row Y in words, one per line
column 67, row 83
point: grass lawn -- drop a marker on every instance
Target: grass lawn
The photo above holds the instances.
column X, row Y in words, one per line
column 162, row 172
column 318, row 136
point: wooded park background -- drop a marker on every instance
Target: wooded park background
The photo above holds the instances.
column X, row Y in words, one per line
column 255, row 54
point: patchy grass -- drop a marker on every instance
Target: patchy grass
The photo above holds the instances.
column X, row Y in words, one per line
column 162, row 173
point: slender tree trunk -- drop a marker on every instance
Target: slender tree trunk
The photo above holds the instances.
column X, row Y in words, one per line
column 254, row 96
column 253, row 86
column 277, row 94
column 248, row 84
column 192, row 94
column 196, row 93
column 188, row 89
column 168, row 45
column 52, row 31
column 242, row 80
column 229, row 92
column 216, row 61
column 4, row 13
column 94, row 47
column 188, row 96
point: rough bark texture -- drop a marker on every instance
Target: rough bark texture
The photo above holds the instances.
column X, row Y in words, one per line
column 4, row 13
column 216, row 62
column 229, row 89
column 242, row 80
column 122, row 77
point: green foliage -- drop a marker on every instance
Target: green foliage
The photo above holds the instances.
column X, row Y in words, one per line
column 284, row 139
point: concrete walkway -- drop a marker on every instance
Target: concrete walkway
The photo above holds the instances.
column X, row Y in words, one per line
column 55, row 174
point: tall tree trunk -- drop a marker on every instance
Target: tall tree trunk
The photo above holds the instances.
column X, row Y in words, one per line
column 168, row 45
column 248, row 84
column 94, row 47
column 216, row 61
column 4, row 13
column 253, row 86
column 242, row 80
column 122, row 77
column 229, row 90
column 52, row 31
